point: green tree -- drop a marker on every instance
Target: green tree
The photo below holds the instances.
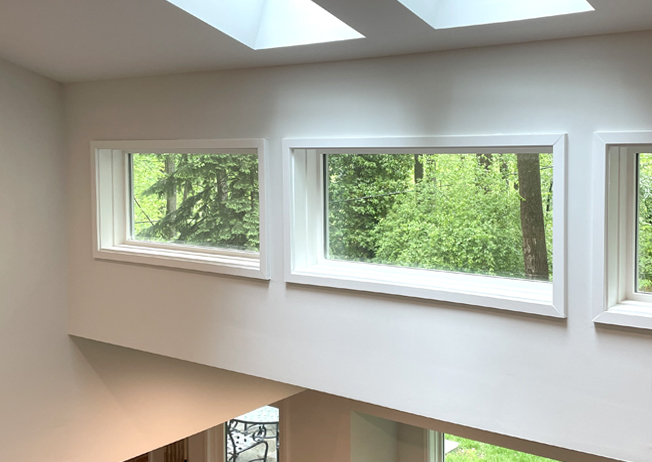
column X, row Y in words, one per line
column 644, row 240
column 462, row 217
column 361, row 191
column 197, row 199
column 454, row 212
column 535, row 255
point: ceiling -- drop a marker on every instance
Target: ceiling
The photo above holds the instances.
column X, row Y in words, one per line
column 77, row 40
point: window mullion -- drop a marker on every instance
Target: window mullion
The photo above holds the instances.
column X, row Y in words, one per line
column 435, row 446
column 121, row 196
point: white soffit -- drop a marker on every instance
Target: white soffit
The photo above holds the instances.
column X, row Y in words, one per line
column 262, row 24
column 447, row 14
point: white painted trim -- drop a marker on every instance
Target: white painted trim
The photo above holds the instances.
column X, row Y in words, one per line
column 615, row 301
column 435, row 451
column 303, row 226
column 111, row 196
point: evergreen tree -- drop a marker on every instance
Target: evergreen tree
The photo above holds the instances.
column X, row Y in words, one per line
column 203, row 199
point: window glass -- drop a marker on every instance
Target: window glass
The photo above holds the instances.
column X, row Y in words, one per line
column 487, row 214
column 644, row 224
column 253, row 437
column 196, row 199
column 463, row 450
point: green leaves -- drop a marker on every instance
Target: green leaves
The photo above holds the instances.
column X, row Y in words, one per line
column 452, row 212
column 644, row 238
column 197, row 199
column 361, row 191
column 461, row 214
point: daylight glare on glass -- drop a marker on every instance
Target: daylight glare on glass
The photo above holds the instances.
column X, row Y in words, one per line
column 196, row 199
column 644, row 231
column 487, row 214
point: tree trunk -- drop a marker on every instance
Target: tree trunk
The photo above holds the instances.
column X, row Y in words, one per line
column 484, row 161
column 535, row 254
column 187, row 187
column 171, row 192
column 418, row 168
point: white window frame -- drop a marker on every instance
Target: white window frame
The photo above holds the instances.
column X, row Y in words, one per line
column 304, row 228
column 112, row 209
column 615, row 300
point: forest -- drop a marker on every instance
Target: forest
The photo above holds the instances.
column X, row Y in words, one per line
column 475, row 213
column 196, row 199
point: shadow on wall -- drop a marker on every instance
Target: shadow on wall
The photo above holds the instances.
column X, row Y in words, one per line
column 156, row 400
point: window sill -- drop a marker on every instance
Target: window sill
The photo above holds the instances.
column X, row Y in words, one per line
column 493, row 292
column 235, row 263
column 627, row 313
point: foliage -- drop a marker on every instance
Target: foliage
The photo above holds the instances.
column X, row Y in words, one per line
column 472, row 451
column 197, row 199
column 462, row 215
column 645, row 223
column 362, row 190
column 454, row 212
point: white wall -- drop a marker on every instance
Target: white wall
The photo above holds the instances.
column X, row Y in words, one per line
column 413, row 444
column 76, row 400
column 568, row 384
column 373, row 439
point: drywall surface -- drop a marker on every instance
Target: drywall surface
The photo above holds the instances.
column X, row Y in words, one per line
column 564, row 383
column 412, row 444
column 78, row 400
column 373, row 439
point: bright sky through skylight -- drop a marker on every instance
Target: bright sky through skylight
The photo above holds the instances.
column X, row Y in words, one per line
column 262, row 24
column 446, row 14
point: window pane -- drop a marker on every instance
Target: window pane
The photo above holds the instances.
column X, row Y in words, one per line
column 644, row 231
column 253, row 437
column 485, row 214
column 462, row 450
column 196, row 199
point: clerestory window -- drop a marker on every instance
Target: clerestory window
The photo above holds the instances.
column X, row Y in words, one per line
column 623, row 229
column 194, row 205
column 467, row 220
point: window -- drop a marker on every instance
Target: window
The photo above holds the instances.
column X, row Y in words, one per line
column 195, row 205
column 271, row 23
column 466, row 220
column 623, row 230
column 253, row 437
column 457, row 449
column 416, row 210
column 447, row 14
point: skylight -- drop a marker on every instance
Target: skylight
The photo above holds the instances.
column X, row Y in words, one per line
column 447, row 14
column 262, row 24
